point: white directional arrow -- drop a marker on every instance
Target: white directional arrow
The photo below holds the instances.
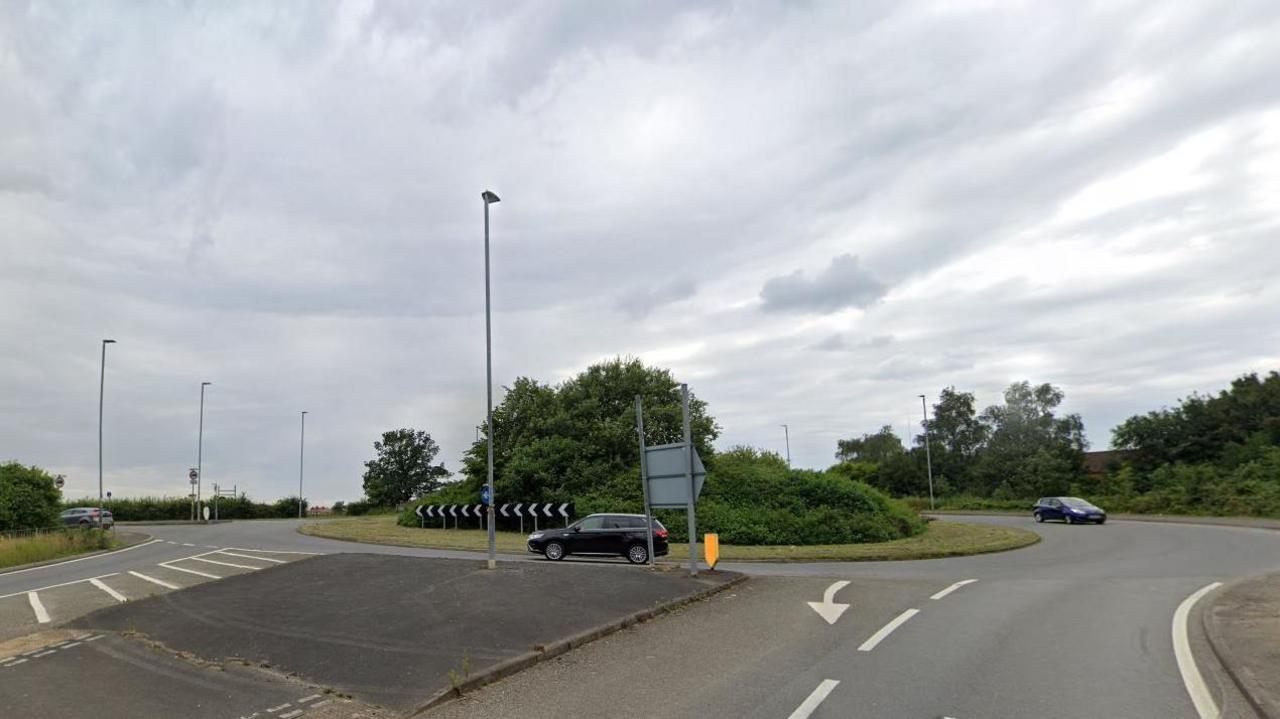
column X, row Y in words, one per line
column 453, row 510
column 479, row 510
column 418, row 511
column 466, row 510
column 547, row 510
column 431, row 510
column 503, row 510
column 562, row 512
column 518, row 506
column 828, row 609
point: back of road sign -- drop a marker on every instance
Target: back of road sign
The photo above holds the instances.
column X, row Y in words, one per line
column 668, row 483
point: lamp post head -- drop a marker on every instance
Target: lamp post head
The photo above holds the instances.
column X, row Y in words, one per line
column 489, row 198
column 108, row 342
column 205, row 384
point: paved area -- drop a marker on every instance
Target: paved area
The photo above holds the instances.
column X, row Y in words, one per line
column 389, row 630
column 1243, row 623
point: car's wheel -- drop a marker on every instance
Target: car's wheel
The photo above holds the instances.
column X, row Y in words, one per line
column 1068, row 519
column 1039, row 517
column 637, row 554
column 553, row 551
column 85, row 523
column 1102, row 521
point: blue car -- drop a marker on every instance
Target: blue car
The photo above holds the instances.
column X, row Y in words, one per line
column 1071, row 510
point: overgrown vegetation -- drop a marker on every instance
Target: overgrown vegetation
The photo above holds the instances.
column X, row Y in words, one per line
column 52, row 545
column 28, row 498
column 153, row 509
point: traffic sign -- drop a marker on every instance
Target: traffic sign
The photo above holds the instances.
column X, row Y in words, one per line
column 484, row 495
column 193, row 475
column 711, row 549
column 59, row 481
column 668, row 475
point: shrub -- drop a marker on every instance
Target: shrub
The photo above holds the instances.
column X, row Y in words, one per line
column 28, row 497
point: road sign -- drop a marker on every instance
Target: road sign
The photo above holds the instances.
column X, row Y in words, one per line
column 108, row 495
column 418, row 511
column 59, row 481
column 466, row 510
column 484, row 494
column 711, row 549
column 503, row 510
column 668, row 476
column 193, row 475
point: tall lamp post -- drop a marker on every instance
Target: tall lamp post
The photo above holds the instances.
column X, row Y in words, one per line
column 302, row 444
column 786, row 432
column 102, row 383
column 200, row 452
column 489, row 198
column 928, row 458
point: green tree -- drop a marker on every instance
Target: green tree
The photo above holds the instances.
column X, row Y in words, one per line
column 875, row 448
column 956, row 437
column 403, row 467
column 1030, row 450
column 28, row 497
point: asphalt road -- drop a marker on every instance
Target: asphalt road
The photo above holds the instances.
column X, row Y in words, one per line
column 1077, row 625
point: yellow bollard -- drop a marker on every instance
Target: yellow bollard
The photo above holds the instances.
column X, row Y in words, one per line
column 711, row 549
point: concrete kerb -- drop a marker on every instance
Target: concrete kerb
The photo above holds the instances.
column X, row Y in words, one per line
column 1244, row 680
column 524, row 661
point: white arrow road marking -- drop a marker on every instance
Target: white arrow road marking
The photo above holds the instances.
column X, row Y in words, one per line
column 952, row 588
column 547, row 510
column 42, row 616
column 110, row 592
column 827, row 609
column 887, row 629
column 814, row 699
column 562, row 512
column 504, row 509
column 1200, row 696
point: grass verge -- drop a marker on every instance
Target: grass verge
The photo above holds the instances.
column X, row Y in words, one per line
column 53, row 545
column 941, row 539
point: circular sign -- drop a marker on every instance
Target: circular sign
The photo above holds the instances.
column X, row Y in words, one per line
column 193, row 475
column 59, row 481
column 484, row 494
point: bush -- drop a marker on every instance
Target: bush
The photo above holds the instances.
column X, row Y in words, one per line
column 157, row 509
column 28, row 498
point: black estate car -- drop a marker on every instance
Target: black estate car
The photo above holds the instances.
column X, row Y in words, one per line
column 607, row 534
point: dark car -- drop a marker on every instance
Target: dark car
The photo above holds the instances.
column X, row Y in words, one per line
column 601, row 534
column 86, row 517
column 1069, row 509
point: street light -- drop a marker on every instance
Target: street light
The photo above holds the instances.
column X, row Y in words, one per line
column 786, row 432
column 928, row 458
column 200, row 453
column 102, row 382
column 489, row 198
column 302, row 443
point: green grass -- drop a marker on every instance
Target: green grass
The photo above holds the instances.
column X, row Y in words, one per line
column 53, row 545
column 940, row 539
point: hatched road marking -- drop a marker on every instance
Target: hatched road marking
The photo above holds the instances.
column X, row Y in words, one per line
column 111, row 592
column 814, row 699
column 42, row 616
column 225, row 564
column 196, row 572
column 248, row 556
column 153, row 580
column 887, row 629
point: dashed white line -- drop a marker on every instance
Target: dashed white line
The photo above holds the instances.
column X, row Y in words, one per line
column 94, row 637
column 815, row 698
column 952, row 588
column 71, row 644
column 16, row 663
column 273, row 710
column 45, row 653
column 292, row 714
column 153, row 580
column 1200, row 696
column 225, row 564
column 37, row 606
column 246, row 556
column 196, row 572
column 313, row 697
column 188, row 544
column 110, row 592
column 322, row 703
column 887, row 629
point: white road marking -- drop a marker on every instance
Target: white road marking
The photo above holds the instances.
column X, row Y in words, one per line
column 55, row 586
column 887, row 629
column 828, row 609
column 196, row 572
column 271, row 551
column 248, row 556
column 173, row 543
column 110, row 592
column 94, row 638
column 14, row 664
column 814, row 699
column 72, row 561
column 313, row 697
column 153, row 580
column 45, row 654
column 36, row 606
column 187, row 544
column 273, row 710
column 320, row 704
column 1196, row 688
column 214, row 561
column 952, row 588
column 72, row 644
column 292, row 714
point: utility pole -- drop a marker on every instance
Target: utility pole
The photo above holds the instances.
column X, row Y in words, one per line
column 489, row 198
column 928, row 458
column 786, row 432
column 200, row 452
column 102, row 383
column 302, row 444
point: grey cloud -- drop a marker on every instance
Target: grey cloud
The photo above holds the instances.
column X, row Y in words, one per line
column 844, row 283
column 840, row 342
column 640, row 301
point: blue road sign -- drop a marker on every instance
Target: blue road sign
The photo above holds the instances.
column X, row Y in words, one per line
column 484, row 495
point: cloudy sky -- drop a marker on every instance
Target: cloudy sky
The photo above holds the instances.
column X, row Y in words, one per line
column 811, row 212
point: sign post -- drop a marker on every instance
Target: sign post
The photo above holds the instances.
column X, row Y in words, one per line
column 693, row 491
column 194, row 476
column 644, row 478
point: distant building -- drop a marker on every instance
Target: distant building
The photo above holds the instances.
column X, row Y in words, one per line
column 321, row 509
column 1096, row 464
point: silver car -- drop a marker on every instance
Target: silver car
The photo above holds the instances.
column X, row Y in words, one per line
column 86, row 517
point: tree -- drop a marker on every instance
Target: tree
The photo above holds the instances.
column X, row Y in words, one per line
column 565, row 442
column 28, row 497
column 956, row 436
column 875, row 448
column 403, row 469
column 1030, row 451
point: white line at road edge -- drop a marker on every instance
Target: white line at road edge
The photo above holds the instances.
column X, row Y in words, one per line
column 806, row 708
column 110, row 592
column 153, row 580
column 952, row 588
column 887, row 629
column 36, row 606
column 1196, row 688
column 81, row 559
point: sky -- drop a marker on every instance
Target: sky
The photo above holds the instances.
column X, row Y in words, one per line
column 812, row 212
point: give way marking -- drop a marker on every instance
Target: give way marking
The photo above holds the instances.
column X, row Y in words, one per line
column 828, row 609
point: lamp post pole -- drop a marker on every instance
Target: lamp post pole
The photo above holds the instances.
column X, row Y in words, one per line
column 200, row 453
column 489, row 198
column 102, row 383
column 786, row 432
column 302, row 445
column 928, row 457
